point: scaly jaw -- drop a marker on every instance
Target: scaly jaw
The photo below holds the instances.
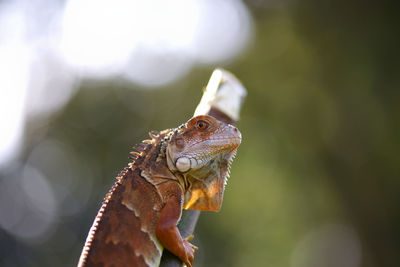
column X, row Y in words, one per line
column 208, row 150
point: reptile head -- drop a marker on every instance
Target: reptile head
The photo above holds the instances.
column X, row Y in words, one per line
column 201, row 140
column 201, row 151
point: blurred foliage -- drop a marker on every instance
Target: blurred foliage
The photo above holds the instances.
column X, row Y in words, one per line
column 320, row 142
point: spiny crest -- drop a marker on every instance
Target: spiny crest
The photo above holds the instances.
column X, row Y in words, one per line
column 119, row 177
column 138, row 151
column 154, row 134
column 166, row 140
column 228, row 170
column 95, row 225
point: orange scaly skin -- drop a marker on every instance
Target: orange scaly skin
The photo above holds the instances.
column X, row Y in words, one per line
column 186, row 167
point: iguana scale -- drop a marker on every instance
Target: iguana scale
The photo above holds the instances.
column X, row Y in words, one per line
column 186, row 167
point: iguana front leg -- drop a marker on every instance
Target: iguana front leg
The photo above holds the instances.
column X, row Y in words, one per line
column 167, row 230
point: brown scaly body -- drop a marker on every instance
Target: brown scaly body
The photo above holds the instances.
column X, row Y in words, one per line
column 186, row 167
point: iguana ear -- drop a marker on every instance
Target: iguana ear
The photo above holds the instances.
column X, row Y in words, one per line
column 206, row 194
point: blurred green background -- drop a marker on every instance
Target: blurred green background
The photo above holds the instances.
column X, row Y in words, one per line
column 316, row 181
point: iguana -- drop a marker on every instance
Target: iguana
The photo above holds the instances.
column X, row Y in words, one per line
column 186, row 167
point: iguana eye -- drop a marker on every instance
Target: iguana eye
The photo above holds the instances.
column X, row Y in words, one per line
column 202, row 125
